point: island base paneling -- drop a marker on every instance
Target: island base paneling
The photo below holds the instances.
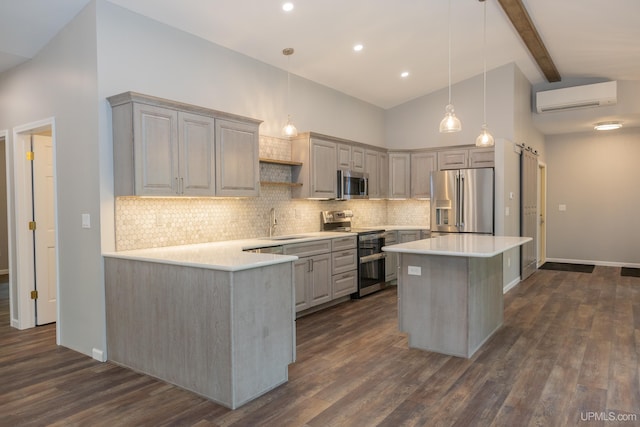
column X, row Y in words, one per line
column 454, row 306
column 228, row 336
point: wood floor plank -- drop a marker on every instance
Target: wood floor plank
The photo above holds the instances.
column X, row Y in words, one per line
column 569, row 348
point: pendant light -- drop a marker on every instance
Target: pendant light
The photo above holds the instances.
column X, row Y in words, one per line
column 450, row 123
column 289, row 130
column 485, row 139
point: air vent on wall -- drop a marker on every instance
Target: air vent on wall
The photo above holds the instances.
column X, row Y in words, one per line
column 569, row 98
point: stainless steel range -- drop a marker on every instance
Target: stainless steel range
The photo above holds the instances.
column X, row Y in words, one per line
column 371, row 274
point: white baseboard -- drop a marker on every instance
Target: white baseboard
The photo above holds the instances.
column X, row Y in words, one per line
column 511, row 285
column 590, row 261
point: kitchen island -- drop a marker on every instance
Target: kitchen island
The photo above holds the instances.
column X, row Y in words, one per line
column 450, row 297
column 208, row 317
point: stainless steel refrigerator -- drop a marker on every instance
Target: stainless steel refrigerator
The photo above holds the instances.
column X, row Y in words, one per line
column 462, row 201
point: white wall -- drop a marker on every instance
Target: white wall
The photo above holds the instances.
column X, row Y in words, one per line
column 596, row 175
column 415, row 124
column 60, row 82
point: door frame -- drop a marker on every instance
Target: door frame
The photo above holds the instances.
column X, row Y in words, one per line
column 542, row 211
column 22, row 181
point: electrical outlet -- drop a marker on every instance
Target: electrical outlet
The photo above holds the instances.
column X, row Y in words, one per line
column 414, row 271
column 562, row 208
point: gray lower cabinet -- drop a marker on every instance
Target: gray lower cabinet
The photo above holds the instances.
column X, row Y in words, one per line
column 312, row 272
column 313, row 281
column 391, row 261
column 344, row 261
column 166, row 148
column 405, row 236
column 226, row 335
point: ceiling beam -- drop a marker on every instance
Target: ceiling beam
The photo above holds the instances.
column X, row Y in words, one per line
column 520, row 19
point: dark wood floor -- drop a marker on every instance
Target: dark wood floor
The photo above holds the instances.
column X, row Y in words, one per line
column 567, row 355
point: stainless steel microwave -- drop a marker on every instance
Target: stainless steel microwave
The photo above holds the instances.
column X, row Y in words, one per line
column 352, row 185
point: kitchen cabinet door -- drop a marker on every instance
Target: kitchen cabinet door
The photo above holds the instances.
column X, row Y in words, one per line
column 422, row 164
column 155, row 151
column 197, row 155
column 383, row 189
column 237, row 160
column 372, row 167
column 312, row 281
column 399, row 175
column 453, row 159
column 391, row 261
column 405, row 236
column 350, row 157
column 320, row 282
column 481, row 157
column 323, row 169
column 301, row 278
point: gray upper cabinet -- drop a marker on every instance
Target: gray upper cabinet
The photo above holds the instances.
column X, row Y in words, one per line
column 197, row 154
column 155, row 152
column 421, row 166
column 237, row 160
column 466, row 158
column 318, row 172
column 481, row 157
column 384, row 175
column 350, row 157
column 399, row 175
column 166, row 148
column 372, row 167
column 453, row 159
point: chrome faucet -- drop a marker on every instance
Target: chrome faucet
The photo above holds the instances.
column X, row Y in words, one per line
column 273, row 222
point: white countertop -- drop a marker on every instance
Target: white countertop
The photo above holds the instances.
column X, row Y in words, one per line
column 225, row 256
column 465, row 245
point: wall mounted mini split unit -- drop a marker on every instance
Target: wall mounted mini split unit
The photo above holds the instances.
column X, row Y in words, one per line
column 569, row 98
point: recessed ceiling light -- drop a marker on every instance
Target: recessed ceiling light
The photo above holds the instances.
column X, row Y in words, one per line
column 358, row 47
column 607, row 125
column 287, row 7
column 404, row 74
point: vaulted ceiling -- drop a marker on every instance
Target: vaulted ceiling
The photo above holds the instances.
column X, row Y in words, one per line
column 584, row 38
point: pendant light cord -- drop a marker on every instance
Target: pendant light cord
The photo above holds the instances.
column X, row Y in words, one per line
column 449, row 29
column 484, row 56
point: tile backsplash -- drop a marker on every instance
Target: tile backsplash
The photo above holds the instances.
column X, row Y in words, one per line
column 155, row 222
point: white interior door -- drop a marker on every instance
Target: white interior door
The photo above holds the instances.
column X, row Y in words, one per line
column 542, row 206
column 45, row 232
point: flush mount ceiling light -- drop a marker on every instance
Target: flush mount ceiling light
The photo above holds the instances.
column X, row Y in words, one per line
column 289, row 129
column 485, row 139
column 358, row 47
column 608, row 125
column 404, row 74
column 450, row 123
column 287, row 7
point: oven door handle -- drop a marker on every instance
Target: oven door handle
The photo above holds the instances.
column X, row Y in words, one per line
column 373, row 257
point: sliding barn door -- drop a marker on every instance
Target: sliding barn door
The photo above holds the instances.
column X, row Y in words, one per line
column 528, row 211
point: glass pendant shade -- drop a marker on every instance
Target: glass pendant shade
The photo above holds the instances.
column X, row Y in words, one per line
column 289, row 129
column 450, row 123
column 485, row 139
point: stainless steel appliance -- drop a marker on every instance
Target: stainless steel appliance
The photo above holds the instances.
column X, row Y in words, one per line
column 352, row 185
column 371, row 265
column 462, row 201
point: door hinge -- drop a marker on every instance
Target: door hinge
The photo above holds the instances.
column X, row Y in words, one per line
column 30, row 155
column 32, row 225
column 34, row 294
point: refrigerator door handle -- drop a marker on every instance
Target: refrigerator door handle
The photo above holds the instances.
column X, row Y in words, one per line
column 462, row 200
column 457, row 210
